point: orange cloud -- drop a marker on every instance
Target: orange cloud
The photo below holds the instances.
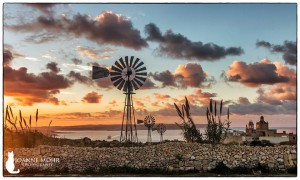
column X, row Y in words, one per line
column 200, row 97
column 92, row 97
column 259, row 73
column 28, row 88
column 187, row 75
column 161, row 96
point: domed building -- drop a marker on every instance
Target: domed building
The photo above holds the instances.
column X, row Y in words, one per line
column 262, row 129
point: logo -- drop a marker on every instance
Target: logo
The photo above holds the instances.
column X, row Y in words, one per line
column 10, row 164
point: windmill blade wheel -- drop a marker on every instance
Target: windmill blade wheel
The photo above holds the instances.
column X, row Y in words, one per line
column 128, row 73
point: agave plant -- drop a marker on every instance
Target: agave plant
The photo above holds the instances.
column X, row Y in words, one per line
column 188, row 127
column 216, row 130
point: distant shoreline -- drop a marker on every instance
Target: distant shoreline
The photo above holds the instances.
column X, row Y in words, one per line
column 116, row 127
column 111, row 127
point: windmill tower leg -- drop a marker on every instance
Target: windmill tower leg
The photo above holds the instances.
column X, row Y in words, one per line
column 136, row 136
column 122, row 137
column 149, row 139
column 127, row 133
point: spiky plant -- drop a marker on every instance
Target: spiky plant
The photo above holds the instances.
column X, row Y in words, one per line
column 217, row 129
column 188, row 127
column 20, row 128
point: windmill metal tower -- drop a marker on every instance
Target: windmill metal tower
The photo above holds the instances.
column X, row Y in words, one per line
column 161, row 129
column 127, row 74
column 149, row 122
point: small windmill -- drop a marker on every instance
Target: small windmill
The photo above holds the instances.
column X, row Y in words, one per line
column 127, row 75
column 161, row 129
column 149, row 122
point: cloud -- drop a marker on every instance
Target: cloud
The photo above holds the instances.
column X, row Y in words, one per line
column 53, row 67
column 288, row 49
column 139, row 105
column 113, row 103
column 9, row 54
column 179, row 46
column 106, row 28
column 166, row 77
column 87, row 80
column 244, row 100
column 48, row 56
column 76, row 61
column 161, row 96
column 40, row 38
column 28, row 88
column 94, row 54
column 188, row 75
column 277, row 95
column 77, row 67
column 104, row 83
column 77, row 77
column 46, row 8
column 7, row 57
column 149, row 84
column 92, row 97
column 257, row 73
column 200, row 97
column 262, row 109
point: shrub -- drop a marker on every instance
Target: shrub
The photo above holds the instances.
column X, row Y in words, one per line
column 188, row 127
column 216, row 130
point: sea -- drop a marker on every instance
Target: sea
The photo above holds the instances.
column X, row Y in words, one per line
column 142, row 134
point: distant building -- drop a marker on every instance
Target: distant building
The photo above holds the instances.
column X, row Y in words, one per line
column 262, row 132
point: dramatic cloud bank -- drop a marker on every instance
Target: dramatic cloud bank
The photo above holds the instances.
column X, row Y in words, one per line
column 288, row 49
column 179, row 46
column 259, row 73
column 28, row 88
column 107, row 28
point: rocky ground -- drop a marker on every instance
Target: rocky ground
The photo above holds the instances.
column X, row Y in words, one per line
column 165, row 157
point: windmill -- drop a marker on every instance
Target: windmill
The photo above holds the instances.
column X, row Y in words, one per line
column 161, row 129
column 127, row 75
column 149, row 122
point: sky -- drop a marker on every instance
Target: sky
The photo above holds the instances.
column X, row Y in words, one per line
column 243, row 54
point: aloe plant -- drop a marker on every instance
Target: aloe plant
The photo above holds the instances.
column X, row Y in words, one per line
column 216, row 130
column 188, row 127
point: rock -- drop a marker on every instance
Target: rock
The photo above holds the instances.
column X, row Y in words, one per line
column 236, row 156
column 189, row 168
column 170, row 168
column 271, row 165
column 195, row 156
column 280, row 160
